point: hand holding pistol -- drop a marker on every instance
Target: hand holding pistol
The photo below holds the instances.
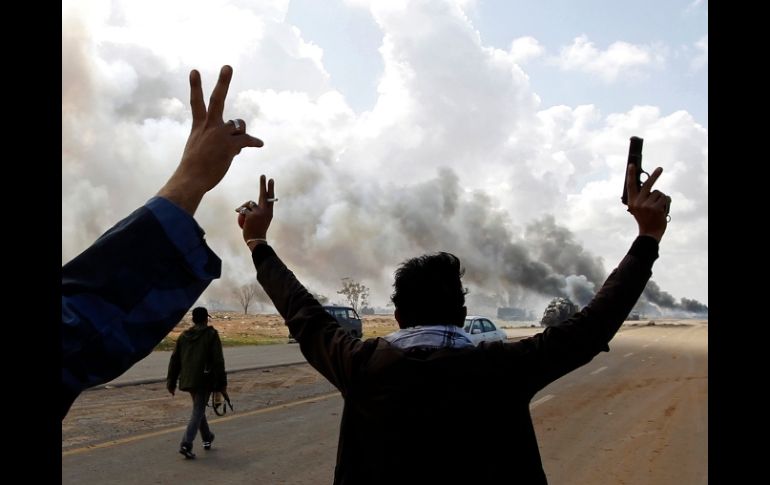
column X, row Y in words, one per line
column 635, row 159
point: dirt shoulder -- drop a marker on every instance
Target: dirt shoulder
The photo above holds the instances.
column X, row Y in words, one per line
column 103, row 415
column 238, row 329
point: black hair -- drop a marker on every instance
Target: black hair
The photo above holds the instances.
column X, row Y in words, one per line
column 200, row 315
column 428, row 290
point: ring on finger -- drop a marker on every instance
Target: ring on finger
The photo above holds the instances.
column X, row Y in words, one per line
column 239, row 125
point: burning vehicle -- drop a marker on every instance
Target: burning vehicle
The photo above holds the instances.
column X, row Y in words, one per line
column 558, row 310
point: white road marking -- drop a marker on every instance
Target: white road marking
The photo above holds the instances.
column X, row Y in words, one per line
column 629, row 354
column 540, row 401
column 598, row 370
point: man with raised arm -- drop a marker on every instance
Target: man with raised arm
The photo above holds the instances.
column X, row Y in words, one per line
column 129, row 289
column 407, row 394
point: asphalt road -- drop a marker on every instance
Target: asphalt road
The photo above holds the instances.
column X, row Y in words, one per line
column 635, row 415
column 153, row 367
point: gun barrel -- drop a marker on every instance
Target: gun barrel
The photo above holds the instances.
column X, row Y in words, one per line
column 635, row 157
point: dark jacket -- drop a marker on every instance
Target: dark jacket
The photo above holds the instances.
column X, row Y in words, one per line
column 404, row 417
column 197, row 361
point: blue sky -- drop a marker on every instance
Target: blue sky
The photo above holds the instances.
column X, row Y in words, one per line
column 350, row 39
column 395, row 128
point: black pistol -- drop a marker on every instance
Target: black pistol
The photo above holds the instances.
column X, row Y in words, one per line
column 635, row 157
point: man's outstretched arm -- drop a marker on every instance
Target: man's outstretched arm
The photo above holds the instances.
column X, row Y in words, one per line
column 327, row 347
column 565, row 347
column 124, row 293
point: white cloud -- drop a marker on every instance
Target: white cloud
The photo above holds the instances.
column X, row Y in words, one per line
column 525, row 49
column 676, row 143
column 457, row 154
column 203, row 30
column 620, row 59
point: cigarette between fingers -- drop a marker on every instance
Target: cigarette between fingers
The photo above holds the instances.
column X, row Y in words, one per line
column 272, row 199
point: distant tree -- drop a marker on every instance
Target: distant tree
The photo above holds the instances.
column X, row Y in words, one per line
column 356, row 293
column 245, row 294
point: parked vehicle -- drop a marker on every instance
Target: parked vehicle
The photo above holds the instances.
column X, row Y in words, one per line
column 347, row 318
column 481, row 329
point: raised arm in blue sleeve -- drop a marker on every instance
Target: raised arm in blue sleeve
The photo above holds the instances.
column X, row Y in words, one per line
column 127, row 291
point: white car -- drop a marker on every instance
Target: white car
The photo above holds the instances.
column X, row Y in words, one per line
column 481, row 329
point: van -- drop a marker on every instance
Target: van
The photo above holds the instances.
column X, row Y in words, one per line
column 346, row 317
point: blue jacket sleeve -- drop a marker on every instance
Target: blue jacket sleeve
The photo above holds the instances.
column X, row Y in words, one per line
column 127, row 291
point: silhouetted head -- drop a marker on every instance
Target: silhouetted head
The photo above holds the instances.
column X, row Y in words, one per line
column 200, row 316
column 428, row 291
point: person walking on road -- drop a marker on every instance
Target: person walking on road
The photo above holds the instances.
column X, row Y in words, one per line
column 199, row 365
